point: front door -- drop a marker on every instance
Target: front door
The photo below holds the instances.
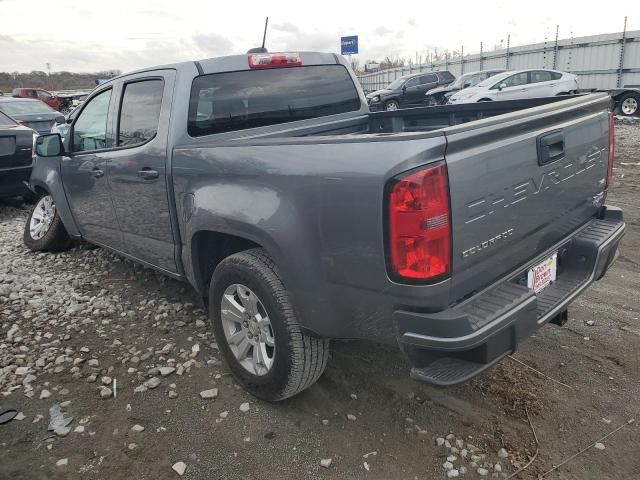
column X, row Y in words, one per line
column 515, row 87
column 138, row 174
column 84, row 172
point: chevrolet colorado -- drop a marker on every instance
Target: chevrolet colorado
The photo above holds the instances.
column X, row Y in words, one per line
column 298, row 216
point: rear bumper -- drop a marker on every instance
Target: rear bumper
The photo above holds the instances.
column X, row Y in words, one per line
column 454, row 345
column 13, row 181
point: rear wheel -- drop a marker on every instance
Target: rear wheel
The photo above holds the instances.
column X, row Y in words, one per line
column 257, row 330
column 391, row 106
column 628, row 104
column 44, row 230
column 485, row 100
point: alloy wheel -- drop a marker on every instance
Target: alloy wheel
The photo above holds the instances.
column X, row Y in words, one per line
column 42, row 217
column 247, row 329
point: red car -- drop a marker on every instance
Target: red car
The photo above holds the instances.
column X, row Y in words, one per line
column 38, row 94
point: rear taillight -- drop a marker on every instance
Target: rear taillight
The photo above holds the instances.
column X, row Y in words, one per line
column 274, row 60
column 419, row 225
column 612, row 145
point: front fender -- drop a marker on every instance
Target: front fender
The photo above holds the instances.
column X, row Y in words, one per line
column 46, row 176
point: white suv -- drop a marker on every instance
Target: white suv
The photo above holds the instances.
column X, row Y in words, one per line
column 513, row 85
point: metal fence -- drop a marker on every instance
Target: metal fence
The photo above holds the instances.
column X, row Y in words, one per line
column 604, row 61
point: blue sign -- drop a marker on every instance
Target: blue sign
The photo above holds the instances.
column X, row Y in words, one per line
column 349, row 45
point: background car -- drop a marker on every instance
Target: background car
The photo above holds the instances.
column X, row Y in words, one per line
column 31, row 113
column 513, row 85
column 38, row 94
column 440, row 95
column 408, row 90
column 16, row 142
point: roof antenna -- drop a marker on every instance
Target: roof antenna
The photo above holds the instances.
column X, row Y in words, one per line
column 264, row 38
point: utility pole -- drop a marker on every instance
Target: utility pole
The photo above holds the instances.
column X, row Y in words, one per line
column 555, row 49
column 48, row 75
column 623, row 42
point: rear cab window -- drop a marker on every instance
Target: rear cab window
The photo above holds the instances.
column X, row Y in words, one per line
column 225, row 102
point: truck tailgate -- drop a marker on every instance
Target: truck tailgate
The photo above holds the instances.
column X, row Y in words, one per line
column 520, row 183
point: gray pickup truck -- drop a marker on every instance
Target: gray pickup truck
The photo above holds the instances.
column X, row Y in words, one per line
column 298, row 216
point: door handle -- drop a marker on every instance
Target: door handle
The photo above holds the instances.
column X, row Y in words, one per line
column 97, row 173
column 550, row 147
column 148, row 174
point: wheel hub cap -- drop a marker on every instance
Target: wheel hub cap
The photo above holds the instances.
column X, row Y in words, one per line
column 629, row 106
column 247, row 329
column 42, row 217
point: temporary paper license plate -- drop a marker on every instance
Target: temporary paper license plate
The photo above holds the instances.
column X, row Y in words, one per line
column 540, row 276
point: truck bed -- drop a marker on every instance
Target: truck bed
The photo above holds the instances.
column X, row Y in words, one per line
column 421, row 119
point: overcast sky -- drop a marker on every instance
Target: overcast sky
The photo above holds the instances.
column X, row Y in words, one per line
column 88, row 36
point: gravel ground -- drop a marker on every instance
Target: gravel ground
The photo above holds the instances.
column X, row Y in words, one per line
column 126, row 353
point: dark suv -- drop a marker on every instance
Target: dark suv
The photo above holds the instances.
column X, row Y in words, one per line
column 408, row 90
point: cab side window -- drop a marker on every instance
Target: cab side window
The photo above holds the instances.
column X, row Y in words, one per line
column 427, row 79
column 90, row 128
column 540, row 76
column 412, row 82
column 516, row 80
column 140, row 112
column 43, row 95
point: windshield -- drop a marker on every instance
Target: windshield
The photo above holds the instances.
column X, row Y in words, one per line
column 496, row 78
column 460, row 80
column 24, row 108
column 5, row 120
column 397, row 83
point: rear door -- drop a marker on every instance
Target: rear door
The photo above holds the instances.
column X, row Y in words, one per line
column 138, row 174
column 84, row 171
column 512, row 198
column 540, row 84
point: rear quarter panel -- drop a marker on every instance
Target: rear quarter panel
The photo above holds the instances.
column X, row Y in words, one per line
column 316, row 205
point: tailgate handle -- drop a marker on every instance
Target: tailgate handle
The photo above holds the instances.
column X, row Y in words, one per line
column 550, row 147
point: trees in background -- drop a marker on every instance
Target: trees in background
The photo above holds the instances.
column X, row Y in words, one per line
column 55, row 81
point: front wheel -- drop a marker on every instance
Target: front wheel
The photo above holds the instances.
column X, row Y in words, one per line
column 628, row 104
column 44, row 230
column 257, row 330
column 391, row 106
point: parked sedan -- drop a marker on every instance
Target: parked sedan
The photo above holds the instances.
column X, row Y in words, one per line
column 440, row 95
column 407, row 91
column 534, row 83
column 16, row 142
column 31, row 113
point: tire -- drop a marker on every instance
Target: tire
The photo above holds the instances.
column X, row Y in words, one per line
column 629, row 104
column 298, row 359
column 391, row 106
column 485, row 100
column 54, row 238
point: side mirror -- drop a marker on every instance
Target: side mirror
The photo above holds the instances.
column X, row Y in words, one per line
column 49, row 145
column 501, row 86
column 60, row 119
